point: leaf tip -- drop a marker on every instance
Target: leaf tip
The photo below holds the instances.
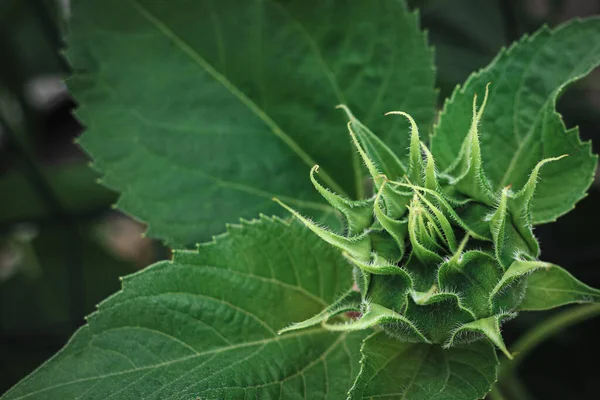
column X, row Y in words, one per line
column 346, row 110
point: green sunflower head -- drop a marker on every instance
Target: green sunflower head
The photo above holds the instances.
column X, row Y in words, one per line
column 437, row 256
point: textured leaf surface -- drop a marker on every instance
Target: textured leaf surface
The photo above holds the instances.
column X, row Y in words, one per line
column 520, row 126
column 203, row 115
column 554, row 287
column 394, row 370
column 204, row 325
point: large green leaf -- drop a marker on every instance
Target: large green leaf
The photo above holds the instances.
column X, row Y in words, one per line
column 520, row 125
column 201, row 111
column 204, row 326
column 391, row 369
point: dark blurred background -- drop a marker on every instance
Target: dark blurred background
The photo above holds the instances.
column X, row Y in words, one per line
column 63, row 247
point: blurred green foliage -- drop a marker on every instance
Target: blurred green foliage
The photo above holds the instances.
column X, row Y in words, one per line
column 55, row 264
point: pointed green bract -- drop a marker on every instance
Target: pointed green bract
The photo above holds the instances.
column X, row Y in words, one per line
column 421, row 239
column 521, row 203
column 396, row 228
column 348, row 302
column 508, row 242
column 430, row 170
column 357, row 213
column 378, row 268
column 520, row 126
column 396, row 201
column 518, row 270
column 415, row 160
column 375, row 148
column 466, row 173
column 372, row 168
column 446, row 207
column 374, row 314
column 448, row 234
column 488, row 327
column 358, row 246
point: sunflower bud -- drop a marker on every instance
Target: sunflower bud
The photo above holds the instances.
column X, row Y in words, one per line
column 438, row 257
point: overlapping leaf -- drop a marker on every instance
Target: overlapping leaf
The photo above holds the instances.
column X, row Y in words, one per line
column 520, row 126
column 204, row 325
column 391, row 369
column 202, row 115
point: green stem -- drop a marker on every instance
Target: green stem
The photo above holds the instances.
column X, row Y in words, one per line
column 545, row 330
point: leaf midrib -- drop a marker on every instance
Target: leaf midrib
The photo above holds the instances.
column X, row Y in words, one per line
column 405, row 390
column 219, row 182
column 330, row 76
column 549, row 289
column 417, row 371
column 321, row 357
column 252, row 106
column 219, row 350
column 551, row 98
